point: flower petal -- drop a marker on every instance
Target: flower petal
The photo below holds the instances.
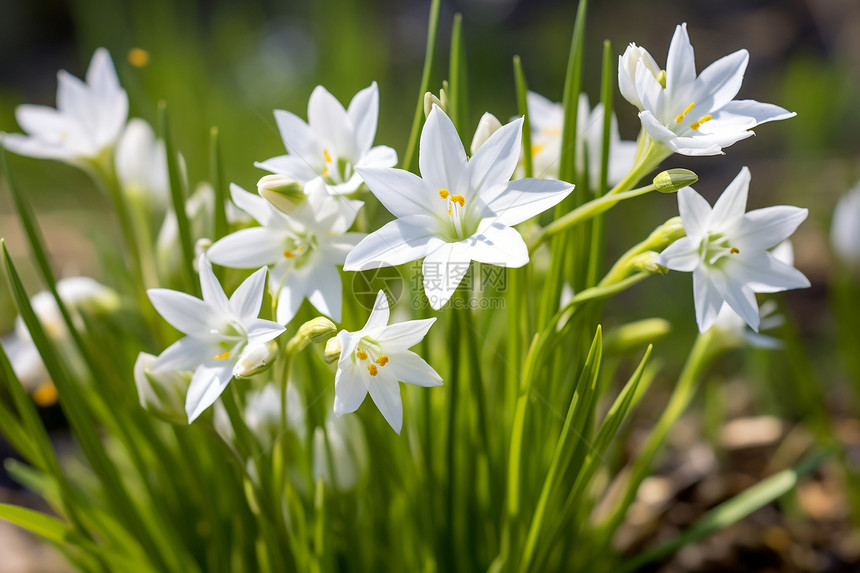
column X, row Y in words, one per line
column 248, row 248
column 329, row 120
column 397, row 242
column 496, row 160
column 385, row 391
column 730, row 207
column 682, row 255
column 401, row 192
column 252, row 204
column 524, row 198
column 213, row 294
column 379, row 314
column 363, row 111
column 184, row 312
column 299, row 139
column 707, row 298
column 441, row 156
column 497, row 244
column 695, row 213
column 187, row 353
column 741, row 298
column 410, row 368
column 402, row 335
column 247, row 299
column 680, row 63
column 349, row 388
column 765, row 273
column 293, row 165
column 720, row 82
column 763, row 228
column 207, row 384
column 261, row 330
column 443, row 269
column 326, row 291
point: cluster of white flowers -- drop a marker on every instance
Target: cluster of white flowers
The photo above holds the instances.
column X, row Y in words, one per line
column 458, row 210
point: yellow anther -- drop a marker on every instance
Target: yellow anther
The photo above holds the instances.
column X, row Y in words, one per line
column 326, row 172
column 362, row 355
column 705, row 118
column 382, row 360
column 734, row 250
column 680, row 117
column 289, row 254
column 695, row 125
column 372, row 369
column 138, row 57
column 450, row 212
column 459, row 199
column 327, row 156
column 443, row 193
column 222, row 356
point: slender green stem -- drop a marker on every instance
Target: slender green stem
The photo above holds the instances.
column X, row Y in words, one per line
column 523, row 110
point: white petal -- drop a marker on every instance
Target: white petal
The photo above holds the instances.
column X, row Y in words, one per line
column 443, row 269
column 403, row 335
column 349, row 388
column 765, row 273
column 248, row 248
column 290, row 298
column 379, row 315
column 720, row 82
column 251, row 203
column 247, row 299
column 682, row 255
column 730, row 207
column 184, row 312
column 293, row 165
column 401, row 192
column 379, row 156
column 496, row 159
column 680, row 63
column 299, row 139
column 213, row 294
column 497, row 244
column 524, row 198
column 101, row 75
column 397, row 242
column 741, row 298
column 441, row 156
column 187, row 353
column 410, row 368
column 207, row 383
column 695, row 213
column 385, row 392
column 763, row 228
column 694, row 146
column 707, row 299
column 326, row 291
column 363, row 111
column 751, row 113
column 260, row 330
column 329, row 120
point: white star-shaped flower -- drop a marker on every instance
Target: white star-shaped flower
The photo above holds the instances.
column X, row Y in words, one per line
column 88, row 120
column 458, row 211
column 726, row 249
column 303, row 248
column 218, row 330
column 686, row 113
column 333, row 142
column 376, row 358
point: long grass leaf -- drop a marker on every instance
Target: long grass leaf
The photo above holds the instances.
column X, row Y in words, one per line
column 523, row 110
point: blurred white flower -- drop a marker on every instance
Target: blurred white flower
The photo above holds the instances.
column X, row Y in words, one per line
column 547, row 123
column 87, row 122
column 376, row 358
column 217, row 332
column 726, row 249
column 262, row 415
column 333, row 142
column 303, row 248
column 845, row 230
column 161, row 393
column 347, row 451
column 141, row 164
column 459, row 210
column 689, row 114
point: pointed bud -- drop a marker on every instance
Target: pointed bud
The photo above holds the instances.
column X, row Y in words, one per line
column 161, row 393
column 645, row 262
column 256, row 358
column 486, row 127
column 627, row 337
column 316, row 330
column 674, row 180
column 282, row 191
column 332, row 350
column 430, row 99
column 666, row 234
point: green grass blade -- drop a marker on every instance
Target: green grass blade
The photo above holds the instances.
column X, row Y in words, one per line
column 458, row 81
column 42, row 525
column 176, row 193
column 572, row 87
column 216, row 177
column 523, row 110
column 731, row 511
column 418, row 119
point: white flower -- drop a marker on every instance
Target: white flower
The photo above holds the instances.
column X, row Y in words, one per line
column 726, row 249
column 333, row 142
column 304, row 248
column 689, row 114
column 375, row 358
column 458, row 211
column 217, row 331
column 163, row 393
column 845, row 231
column 141, row 164
column 263, row 415
column 346, row 450
column 547, row 122
column 88, row 120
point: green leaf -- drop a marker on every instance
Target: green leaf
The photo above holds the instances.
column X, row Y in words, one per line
column 418, row 119
column 43, row 525
column 458, row 81
column 216, row 177
column 523, row 110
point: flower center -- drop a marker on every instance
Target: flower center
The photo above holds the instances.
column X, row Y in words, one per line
column 714, row 247
column 696, row 124
column 370, row 353
column 456, row 210
column 337, row 169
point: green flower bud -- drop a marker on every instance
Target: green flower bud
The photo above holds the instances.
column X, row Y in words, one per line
column 673, row 180
column 256, row 358
column 636, row 334
column 645, row 262
column 430, row 99
column 316, row 330
column 332, row 350
column 282, row 191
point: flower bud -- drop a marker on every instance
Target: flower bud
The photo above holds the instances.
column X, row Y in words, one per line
column 645, row 262
column 430, row 99
column 161, row 393
column 486, row 127
column 282, row 191
column 255, row 358
column 633, row 57
column 666, row 234
column 332, row 350
column 674, row 180
column 316, row 330
column 635, row 334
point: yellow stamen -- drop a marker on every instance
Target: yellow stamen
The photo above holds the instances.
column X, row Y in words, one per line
column 458, row 199
column 443, row 193
column 734, row 251
column 325, row 172
column 450, row 213
column 289, row 254
column 382, row 360
column 362, row 355
column 45, row 395
column 680, row 118
column 705, row 118
column 695, row 125
column 222, row 356
column 372, row 369
column 138, row 57
column 698, row 124
column 327, row 156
